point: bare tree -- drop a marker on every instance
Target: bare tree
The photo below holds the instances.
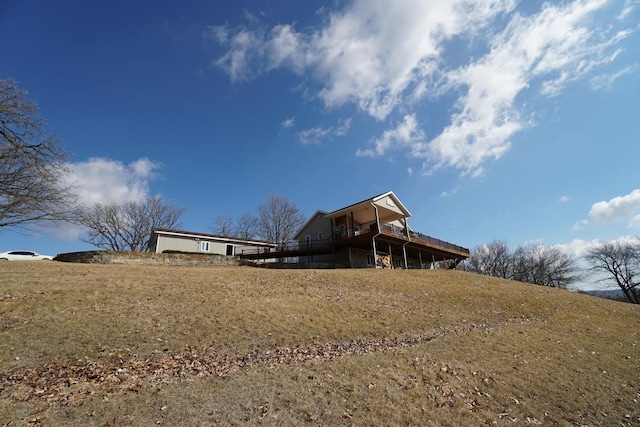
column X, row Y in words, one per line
column 246, row 226
column 620, row 262
column 32, row 164
column 279, row 220
column 538, row 264
column 127, row 226
column 223, row 225
column 243, row 227
column 543, row 265
column 491, row 259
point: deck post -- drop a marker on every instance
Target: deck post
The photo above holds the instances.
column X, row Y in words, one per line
column 373, row 239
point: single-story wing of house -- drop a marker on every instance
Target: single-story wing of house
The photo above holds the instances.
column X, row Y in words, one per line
column 374, row 232
column 163, row 240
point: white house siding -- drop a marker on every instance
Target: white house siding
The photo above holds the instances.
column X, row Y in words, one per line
column 190, row 244
column 175, row 243
column 206, row 244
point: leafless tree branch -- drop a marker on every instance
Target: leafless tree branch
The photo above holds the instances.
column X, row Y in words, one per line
column 32, row 164
column 127, row 226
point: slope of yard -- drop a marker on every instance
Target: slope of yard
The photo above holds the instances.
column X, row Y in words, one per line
column 159, row 345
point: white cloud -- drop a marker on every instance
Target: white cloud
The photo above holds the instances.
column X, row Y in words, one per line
column 406, row 134
column 605, row 81
column 285, row 47
column 622, row 208
column 100, row 180
column 629, row 6
column 317, row 135
column 386, row 58
column 289, row 123
column 577, row 247
column 555, row 45
column 580, row 225
column 564, row 199
column 243, row 47
column 314, row 135
column 635, row 222
column 450, row 193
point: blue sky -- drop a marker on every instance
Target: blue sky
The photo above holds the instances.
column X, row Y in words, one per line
column 490, row 119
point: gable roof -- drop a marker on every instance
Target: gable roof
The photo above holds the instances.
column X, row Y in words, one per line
column 318, row 213
column 373, row 200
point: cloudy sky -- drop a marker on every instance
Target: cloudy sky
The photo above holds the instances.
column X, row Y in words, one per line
column 490, row 119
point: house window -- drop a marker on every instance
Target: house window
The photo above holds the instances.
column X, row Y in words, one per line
column 204, row 246
column 307, row 241
column 319, row 235
column 229, row 250
column 369, row 259
column 398, row 262
column 342, row 230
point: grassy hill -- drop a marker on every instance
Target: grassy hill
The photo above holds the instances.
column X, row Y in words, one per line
column 159, row 345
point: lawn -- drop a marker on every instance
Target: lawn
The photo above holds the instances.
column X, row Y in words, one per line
column 165, row 345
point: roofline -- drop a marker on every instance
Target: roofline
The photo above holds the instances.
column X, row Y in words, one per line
column 392, row 194
column 372, row 200
column 183, row 233
column 311, row 218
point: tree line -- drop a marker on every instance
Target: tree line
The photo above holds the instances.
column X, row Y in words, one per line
column 34, row 188
column 278, row 221
column 614, row 263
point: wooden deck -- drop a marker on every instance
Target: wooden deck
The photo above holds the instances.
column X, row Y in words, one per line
column 416, row 245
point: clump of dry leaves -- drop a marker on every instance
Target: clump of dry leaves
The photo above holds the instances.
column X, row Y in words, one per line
column 70, row 382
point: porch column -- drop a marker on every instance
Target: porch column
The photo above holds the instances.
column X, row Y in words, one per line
column 420, row 258
column 404, row 253
column 352, row 228
column 373, row 239
column 404, row 247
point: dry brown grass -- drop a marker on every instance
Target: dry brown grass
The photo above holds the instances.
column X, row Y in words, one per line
column 148, row 345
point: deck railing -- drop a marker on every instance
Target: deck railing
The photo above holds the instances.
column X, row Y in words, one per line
column 290, row 246
column 415, row 236
column 299, row 246
column 400, row 232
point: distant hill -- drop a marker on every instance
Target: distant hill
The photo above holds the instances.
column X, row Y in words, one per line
column 606, row 293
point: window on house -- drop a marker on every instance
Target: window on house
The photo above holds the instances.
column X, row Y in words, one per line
column 369, row 259
column 307, row 240
column 342, row 229
column 319, row 235
column 398, row 262
column 204, row 246
column 229, row 250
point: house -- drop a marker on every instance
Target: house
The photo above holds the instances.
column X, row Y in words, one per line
column 372, row 233
column 163, row 240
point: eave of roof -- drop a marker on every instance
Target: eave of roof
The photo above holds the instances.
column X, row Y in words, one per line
column 372, row 200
